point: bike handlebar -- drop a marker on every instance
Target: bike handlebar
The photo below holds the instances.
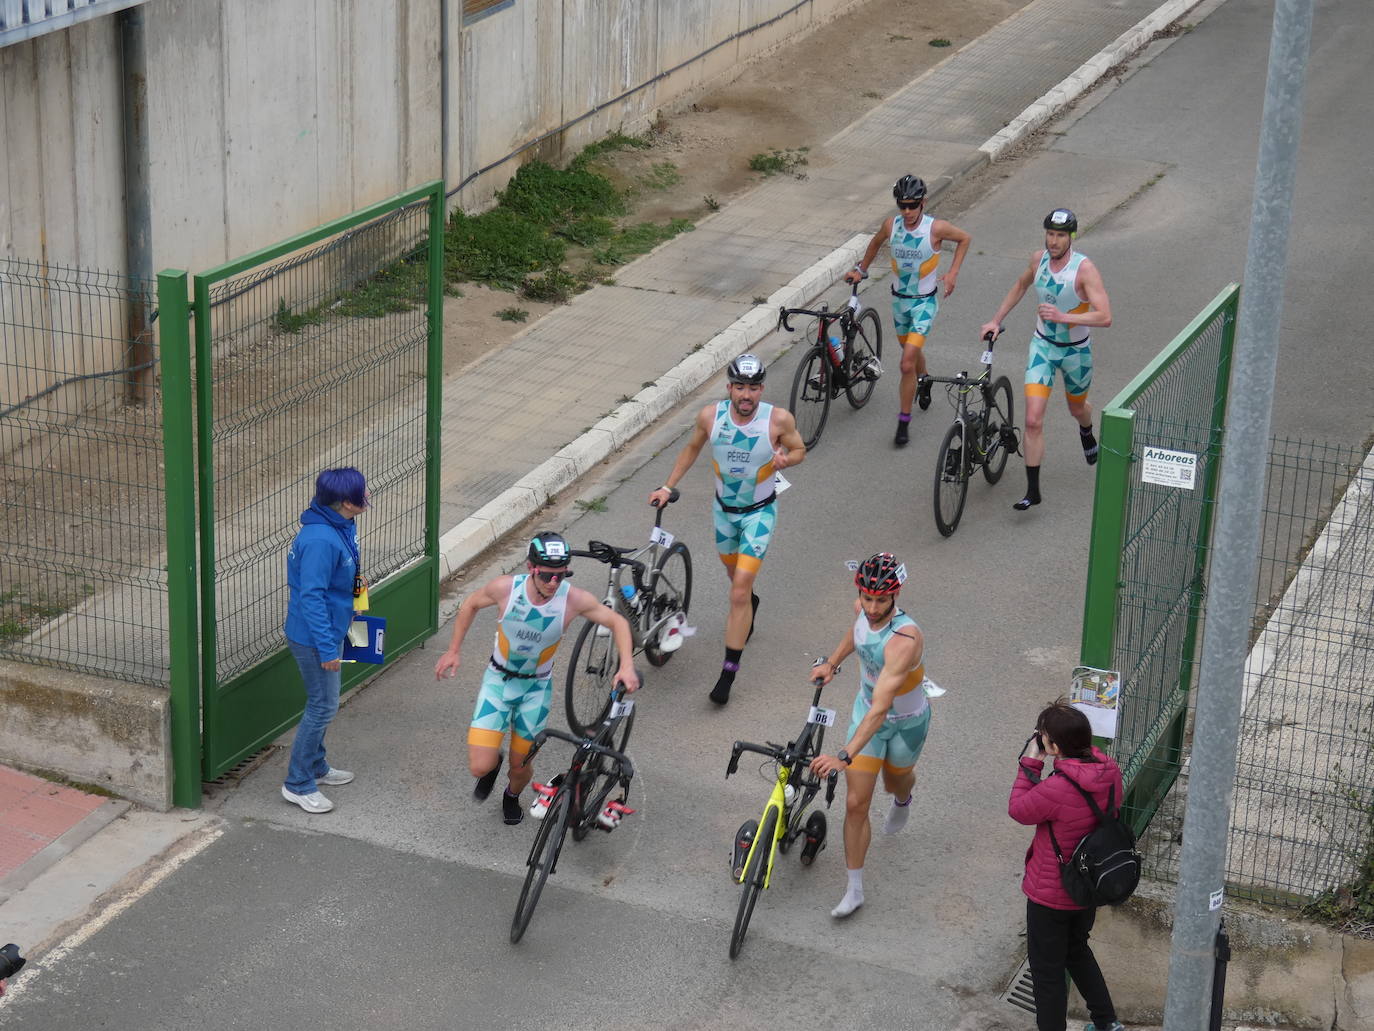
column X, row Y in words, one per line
column 825, row 314
column 590, row 744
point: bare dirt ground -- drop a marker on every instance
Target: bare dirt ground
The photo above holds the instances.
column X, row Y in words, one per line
column 798, row 96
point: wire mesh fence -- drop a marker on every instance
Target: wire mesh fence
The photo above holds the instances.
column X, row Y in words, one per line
column 82, row 581
column 1300, row 821
column 319, row 361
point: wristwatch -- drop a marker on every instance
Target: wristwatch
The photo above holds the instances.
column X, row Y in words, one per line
column 844, row 757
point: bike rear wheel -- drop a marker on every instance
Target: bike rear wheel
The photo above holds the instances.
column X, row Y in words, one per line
column 865, row 347
column 548, row 842
column 951, row 480
column 810, row 401
column 591, row 667
column 670, row 588
column 1001, row 418
column 754, row 875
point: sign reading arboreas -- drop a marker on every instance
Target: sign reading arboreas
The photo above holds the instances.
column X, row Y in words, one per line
column 1168, row 468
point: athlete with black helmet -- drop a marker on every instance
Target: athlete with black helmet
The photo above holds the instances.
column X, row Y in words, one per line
column 915, row 239
column 750, row 440
column 888, row 725
column 517, row 685
column 1073, row 300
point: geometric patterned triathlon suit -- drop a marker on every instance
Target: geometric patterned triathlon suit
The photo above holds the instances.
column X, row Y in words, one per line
column 518, row 683
column 898, row 742
column 914, row 287
column 745, row 512
column 1058, row 346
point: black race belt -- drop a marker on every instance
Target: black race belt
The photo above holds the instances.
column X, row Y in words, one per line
column 746, row 509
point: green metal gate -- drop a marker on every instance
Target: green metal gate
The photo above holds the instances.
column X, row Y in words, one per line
column 1147, row 562
column 321, row 351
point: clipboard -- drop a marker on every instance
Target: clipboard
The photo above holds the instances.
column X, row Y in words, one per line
column 366, row 640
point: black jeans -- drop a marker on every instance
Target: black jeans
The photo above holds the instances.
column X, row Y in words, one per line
column 1057, row 942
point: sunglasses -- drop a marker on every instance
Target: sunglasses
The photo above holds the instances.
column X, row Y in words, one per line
column 907, row 205
column 551, row 576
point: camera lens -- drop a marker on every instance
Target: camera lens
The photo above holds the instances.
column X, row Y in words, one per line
column 10, row 961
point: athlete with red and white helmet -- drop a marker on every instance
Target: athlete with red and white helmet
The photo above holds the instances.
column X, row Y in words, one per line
column 891, row 715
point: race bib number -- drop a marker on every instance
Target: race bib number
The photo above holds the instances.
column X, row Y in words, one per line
column 987, row 357
column 658, row 535
column 622, row 708
column 853, row 304
column 823, row 717
column 780, row 483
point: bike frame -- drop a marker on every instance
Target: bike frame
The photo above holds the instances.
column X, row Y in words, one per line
column 644, row 575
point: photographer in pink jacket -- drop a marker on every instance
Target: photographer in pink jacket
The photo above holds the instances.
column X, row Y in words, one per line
column 1057, row 928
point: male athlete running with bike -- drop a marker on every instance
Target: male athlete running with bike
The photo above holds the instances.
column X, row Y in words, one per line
column 914, row 239
column 750, row 441
column 1072, row 300
column 891, row 716
column 517, row 686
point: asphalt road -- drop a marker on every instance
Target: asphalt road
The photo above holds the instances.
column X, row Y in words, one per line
column 393, row 911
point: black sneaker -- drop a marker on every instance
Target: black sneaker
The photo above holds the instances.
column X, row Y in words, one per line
column 720, row 694
column 1026, row 502
column 902, row 435
column 923, row 393
column 511, row 809
column 482, row 789
column 815, row 838
column 739, row 852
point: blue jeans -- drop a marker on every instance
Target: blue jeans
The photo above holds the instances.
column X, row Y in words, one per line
column 321, row 703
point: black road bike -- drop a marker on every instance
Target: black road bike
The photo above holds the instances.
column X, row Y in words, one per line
column 822, row 373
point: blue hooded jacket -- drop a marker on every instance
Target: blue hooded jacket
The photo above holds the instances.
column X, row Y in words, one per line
column 320, row 568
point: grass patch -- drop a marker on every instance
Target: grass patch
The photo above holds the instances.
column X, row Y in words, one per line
column 638, row 239
column 555, row 286
column 284, row 320
column 499, row 248
column 711, row 203
column 940, row 41
column 548, row 196
column 594, row 505
column 778, row 161
column 587, row 231
column 661, row 176
column 401, row 287
column 614, row 142
column 871, row 94
column 893, row 37
column 512, row 314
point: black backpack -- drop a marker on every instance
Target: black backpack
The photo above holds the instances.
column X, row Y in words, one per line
column 1105, row 867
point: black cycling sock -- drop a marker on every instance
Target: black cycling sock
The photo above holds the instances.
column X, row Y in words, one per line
column 1089, row 442
column 511, row 809
column 720, row 694
column 1032, row 489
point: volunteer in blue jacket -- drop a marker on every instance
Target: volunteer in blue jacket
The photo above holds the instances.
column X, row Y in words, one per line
column 324, row 576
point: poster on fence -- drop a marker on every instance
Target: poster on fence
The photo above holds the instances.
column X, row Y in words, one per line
column 1097, row 694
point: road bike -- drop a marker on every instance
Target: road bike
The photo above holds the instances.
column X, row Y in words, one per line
column 794, row 788
column 655, row 603
column 576, row 801
column 983, row 435
column 823, row 372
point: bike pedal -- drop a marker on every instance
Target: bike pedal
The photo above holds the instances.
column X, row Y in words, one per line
column 609, row 818
column 543, row 797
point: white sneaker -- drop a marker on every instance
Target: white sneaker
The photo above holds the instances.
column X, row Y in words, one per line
column 311, row 803
column 335, row 777
column 670, row 638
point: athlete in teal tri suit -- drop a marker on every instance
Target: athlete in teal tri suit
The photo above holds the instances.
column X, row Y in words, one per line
column 750, row 442
column 1072, row 300
column 915, row 239
column 887, row 729
column 517, row 686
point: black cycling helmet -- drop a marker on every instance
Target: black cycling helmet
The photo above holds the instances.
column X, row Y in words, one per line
column 908, row 187
column 1063, row 220
column 549, row 550
column 880, row 574
column 747, row 368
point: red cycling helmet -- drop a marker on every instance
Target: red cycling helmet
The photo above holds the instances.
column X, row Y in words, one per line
column 880, row 574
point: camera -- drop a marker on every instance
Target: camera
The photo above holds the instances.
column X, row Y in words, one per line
column 10, row 961
column 1039, row 741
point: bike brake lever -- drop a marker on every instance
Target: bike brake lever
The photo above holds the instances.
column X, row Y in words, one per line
column 734, row 763
column 782, row 320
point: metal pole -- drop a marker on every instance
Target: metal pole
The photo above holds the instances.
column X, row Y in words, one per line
column 138, row 230
column 1230, row 599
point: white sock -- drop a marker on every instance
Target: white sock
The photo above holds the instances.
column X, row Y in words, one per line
column 896, row 816
column 853, row 895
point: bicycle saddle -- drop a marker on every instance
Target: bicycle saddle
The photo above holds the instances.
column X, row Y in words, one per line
column 603, row 552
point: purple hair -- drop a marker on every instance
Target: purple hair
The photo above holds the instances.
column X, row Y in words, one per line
column 335, row 485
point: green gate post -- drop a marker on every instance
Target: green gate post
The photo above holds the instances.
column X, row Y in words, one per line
column 434, row 392
column 179, row 478
column 1108, row 533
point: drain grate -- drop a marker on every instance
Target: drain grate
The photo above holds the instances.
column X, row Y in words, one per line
column 235, row 774
column 1020, row 992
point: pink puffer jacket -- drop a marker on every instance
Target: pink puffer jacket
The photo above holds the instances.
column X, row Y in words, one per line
column 1054, row 801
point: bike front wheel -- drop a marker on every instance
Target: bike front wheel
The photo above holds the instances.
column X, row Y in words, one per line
column 591, row 667
column 999, row 428
column 754, row 875
column 951, row 480
column 670, row 593
column 548, row 842
column 865, row 358
column 810, row 402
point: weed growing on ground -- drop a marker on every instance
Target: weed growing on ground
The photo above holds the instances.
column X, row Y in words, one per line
column 512, row 314
column 775, row 161
column 638, row 239
column 498, row 247
column 711, row 203
column 871, row 94
column 284, row 320
column 594, row 505
column 551, row 197
column 939, row 41
column 893, row 37
column 661, row 176
column 555, row 286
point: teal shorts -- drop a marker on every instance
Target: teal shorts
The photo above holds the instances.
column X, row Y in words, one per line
column 1074, row 361
column 746, row 534
column 519, row 705
column 914, row 315
column 897, row 744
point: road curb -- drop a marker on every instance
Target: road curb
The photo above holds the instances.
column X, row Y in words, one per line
column 466, row 541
